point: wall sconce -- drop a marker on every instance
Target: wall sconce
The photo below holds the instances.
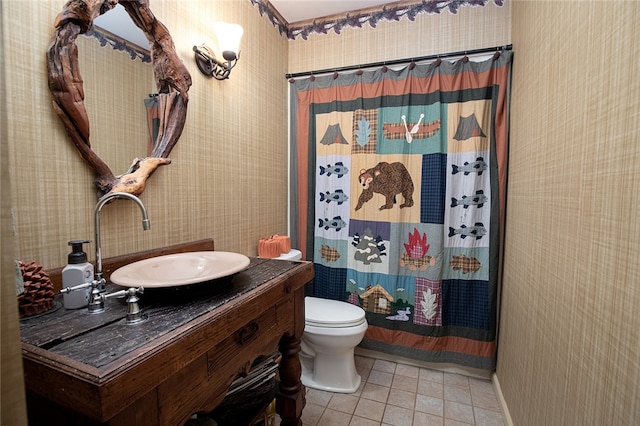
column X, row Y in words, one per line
column 229, row 36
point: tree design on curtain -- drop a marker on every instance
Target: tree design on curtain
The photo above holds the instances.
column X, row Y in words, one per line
column 415, row 238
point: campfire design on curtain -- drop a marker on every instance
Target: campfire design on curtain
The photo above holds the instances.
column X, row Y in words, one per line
column 401, row 178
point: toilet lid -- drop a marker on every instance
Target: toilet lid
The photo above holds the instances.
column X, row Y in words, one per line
column 332, row 313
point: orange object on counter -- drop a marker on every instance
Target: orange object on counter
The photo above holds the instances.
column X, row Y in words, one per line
column 284, row 242
column 268, row 248
column 274, row 246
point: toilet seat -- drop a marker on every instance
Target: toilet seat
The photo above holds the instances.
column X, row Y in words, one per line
column 326, row 313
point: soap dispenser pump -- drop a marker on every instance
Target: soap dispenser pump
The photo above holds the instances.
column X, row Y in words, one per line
column 77, row 277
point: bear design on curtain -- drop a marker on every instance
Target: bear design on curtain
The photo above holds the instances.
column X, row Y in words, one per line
column 400, row 201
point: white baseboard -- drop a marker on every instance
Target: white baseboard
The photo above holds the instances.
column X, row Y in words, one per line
column 503, row 404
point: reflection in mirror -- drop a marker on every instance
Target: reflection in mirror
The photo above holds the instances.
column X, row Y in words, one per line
column 116, row 30
column 116, row 89
column 118, row 23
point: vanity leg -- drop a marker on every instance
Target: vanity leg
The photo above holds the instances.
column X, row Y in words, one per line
column 290, row 401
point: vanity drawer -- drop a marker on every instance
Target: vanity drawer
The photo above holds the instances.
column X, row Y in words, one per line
column 247, row 342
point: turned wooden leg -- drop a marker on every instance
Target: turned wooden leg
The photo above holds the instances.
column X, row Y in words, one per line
column 290, row 401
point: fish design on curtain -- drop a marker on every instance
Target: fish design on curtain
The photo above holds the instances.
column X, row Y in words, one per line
column 400, row 200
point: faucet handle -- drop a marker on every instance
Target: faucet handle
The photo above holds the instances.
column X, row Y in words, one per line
column 130, row 293
column 134, row 313
column 96, row 298
column 76, row 287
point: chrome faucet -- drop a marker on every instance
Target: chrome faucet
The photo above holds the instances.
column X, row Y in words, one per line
column 96, row 301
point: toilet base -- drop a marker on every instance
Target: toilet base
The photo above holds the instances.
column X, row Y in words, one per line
column 308, row 382
column 331, row 375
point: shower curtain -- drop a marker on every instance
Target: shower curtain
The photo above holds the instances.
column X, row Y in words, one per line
column 400, row 191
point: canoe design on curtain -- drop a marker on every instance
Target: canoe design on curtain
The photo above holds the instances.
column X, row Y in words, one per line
column 400, row 200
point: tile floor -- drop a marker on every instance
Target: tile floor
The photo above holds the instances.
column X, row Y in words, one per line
column 402, row 395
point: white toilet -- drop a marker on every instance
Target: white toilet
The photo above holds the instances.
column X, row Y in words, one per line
column 293, row 254
column 332, row 331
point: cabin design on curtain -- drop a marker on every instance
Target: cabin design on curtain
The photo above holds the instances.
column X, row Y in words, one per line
column 400, row 196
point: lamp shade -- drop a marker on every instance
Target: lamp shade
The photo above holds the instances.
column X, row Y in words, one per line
column 229, row 36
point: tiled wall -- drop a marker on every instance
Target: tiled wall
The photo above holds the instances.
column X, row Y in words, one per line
column 569, row 350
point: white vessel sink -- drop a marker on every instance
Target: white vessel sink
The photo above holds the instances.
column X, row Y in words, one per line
column 179, row 269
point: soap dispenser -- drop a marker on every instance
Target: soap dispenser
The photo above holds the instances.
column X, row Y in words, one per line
column 77, row 272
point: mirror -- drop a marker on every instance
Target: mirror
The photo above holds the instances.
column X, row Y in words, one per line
column 171, row 77
column 118, row 23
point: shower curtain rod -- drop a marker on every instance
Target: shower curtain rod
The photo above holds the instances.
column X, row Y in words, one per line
column 402, row 61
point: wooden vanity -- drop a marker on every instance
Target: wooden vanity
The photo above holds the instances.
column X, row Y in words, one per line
column 83, row 368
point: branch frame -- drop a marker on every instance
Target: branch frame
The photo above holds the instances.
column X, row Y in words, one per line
column 66, row 85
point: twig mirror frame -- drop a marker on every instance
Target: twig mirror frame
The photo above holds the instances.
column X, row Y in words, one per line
column 65, row 83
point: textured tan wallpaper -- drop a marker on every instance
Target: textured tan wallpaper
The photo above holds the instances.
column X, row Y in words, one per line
column 228, row 174
column 471, row 28
column 569, row 351
column 12, row 402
